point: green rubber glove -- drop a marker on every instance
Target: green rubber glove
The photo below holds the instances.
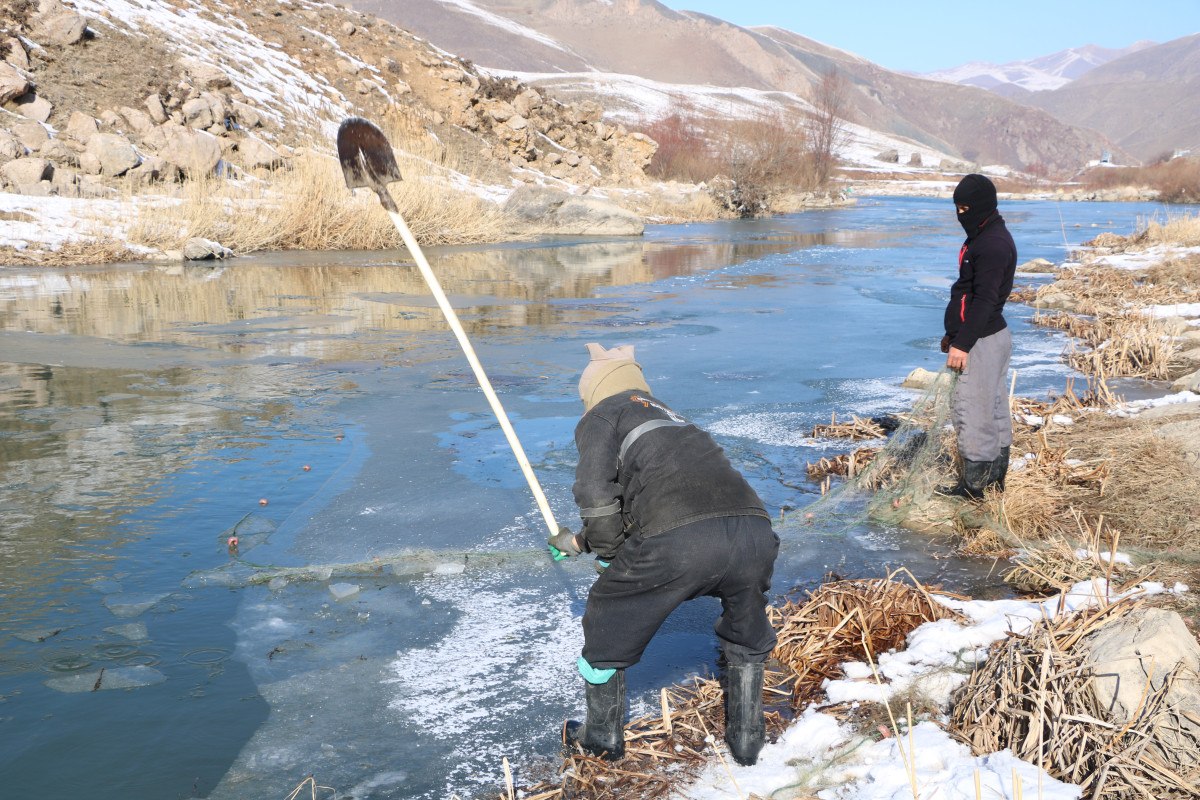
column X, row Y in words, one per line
column 563, row 545
column 601, row 566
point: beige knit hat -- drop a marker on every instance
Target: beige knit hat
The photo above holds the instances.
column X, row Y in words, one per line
column 608, row 373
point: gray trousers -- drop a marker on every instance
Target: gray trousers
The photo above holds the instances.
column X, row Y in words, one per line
column 982, row 418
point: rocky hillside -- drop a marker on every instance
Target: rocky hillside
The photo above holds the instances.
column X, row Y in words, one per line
column 103, row 96
column 646, row 39
column 1146, row 102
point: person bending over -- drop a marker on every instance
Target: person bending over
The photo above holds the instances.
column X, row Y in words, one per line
column 668, row 519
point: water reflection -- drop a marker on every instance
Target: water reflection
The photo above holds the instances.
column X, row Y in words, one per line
column 307, row 305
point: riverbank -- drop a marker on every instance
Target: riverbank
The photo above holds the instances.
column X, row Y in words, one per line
column 1101, row 512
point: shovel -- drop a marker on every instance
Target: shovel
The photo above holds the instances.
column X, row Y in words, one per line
column 368, row 161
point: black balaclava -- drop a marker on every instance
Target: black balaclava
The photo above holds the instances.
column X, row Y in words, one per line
column 979, row 193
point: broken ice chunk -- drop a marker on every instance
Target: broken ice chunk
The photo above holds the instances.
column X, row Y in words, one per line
column 39, row 635
column 119, row 678
column 277, row 583
column 456, row 568
column 131, row 605
column 134, row 631
column 341, row 591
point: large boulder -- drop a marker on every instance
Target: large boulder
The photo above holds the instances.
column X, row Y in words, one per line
column 191, row 152
column 198, row 113
column 81, row 127
column 30, row 133
column 16, row 55
column 922, row 379
column 13, row 82
column 10, row 148
column 204, row 75
column 1037, row 266
column 552, row 210
column 254, row 152
column 138, row 120
column 114, row 152
column 890, row 156
column 24, row 173
column 32, row 106
column 198, row 249
column 1188, row 383
column 1137, row 656
column 154, row 107
column 56, row 24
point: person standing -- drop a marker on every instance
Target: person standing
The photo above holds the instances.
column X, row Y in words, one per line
column 978, row 343
column 668, row 519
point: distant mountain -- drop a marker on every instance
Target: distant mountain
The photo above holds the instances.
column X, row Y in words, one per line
column 575, row 44
column 1037, row 74
column 1147, row 102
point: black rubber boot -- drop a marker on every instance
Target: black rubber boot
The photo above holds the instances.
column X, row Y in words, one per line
column 999, row 469
column 976, row 476
column 745, row 726
column 604, row 732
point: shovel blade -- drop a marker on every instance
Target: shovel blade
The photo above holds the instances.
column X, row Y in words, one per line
column 366, row 155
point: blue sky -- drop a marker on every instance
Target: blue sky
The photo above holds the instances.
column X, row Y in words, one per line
column 926, row 35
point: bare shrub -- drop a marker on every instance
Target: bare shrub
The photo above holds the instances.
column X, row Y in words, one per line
column 1177, row 180
column 747, row 163
column 826, row 127
column 684, row 152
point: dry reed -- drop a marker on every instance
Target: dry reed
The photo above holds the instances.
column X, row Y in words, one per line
column 846, row 465
column 1033, row 696
column 70, row 253
column 308, row 207
column 856, row 429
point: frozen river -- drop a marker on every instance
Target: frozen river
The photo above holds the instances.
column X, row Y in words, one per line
column 147, row 411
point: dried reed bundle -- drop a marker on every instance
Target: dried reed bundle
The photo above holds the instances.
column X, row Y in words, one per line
column 829, row 628
column 844, row 464
column 1032, row 696
column 70, row 253
column 856, row 429
column 1056, row 564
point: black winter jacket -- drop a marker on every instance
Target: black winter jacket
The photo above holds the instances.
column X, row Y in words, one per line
column 986, row 264
column 643, row 468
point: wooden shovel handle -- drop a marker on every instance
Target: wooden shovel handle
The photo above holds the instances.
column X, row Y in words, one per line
column 484, row 384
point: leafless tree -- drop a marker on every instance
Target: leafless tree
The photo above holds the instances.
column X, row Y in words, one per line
column 826, row 128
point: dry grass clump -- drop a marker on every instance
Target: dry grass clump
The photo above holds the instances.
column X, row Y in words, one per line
column 840, row 621
column 1057, row 564
column 308, row 207
column 848, row 621
column 1103, row 473
column 856, row 429
column 1179, row 229
column 1127, row 344
column 69, row 254
column 667, row 208
column 1033, row 696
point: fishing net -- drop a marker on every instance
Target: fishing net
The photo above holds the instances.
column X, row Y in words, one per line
column 890, row 483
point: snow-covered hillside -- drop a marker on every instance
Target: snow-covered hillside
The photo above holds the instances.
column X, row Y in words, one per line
column 1041, row 74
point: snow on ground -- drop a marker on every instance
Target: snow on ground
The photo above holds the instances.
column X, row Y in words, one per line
column 632, row 99
column 817, row 751
column 1136, row 406
column 507, row 25
column 277, row 83
column 50, row 222
column 1173, row 310
column 1145, row 258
